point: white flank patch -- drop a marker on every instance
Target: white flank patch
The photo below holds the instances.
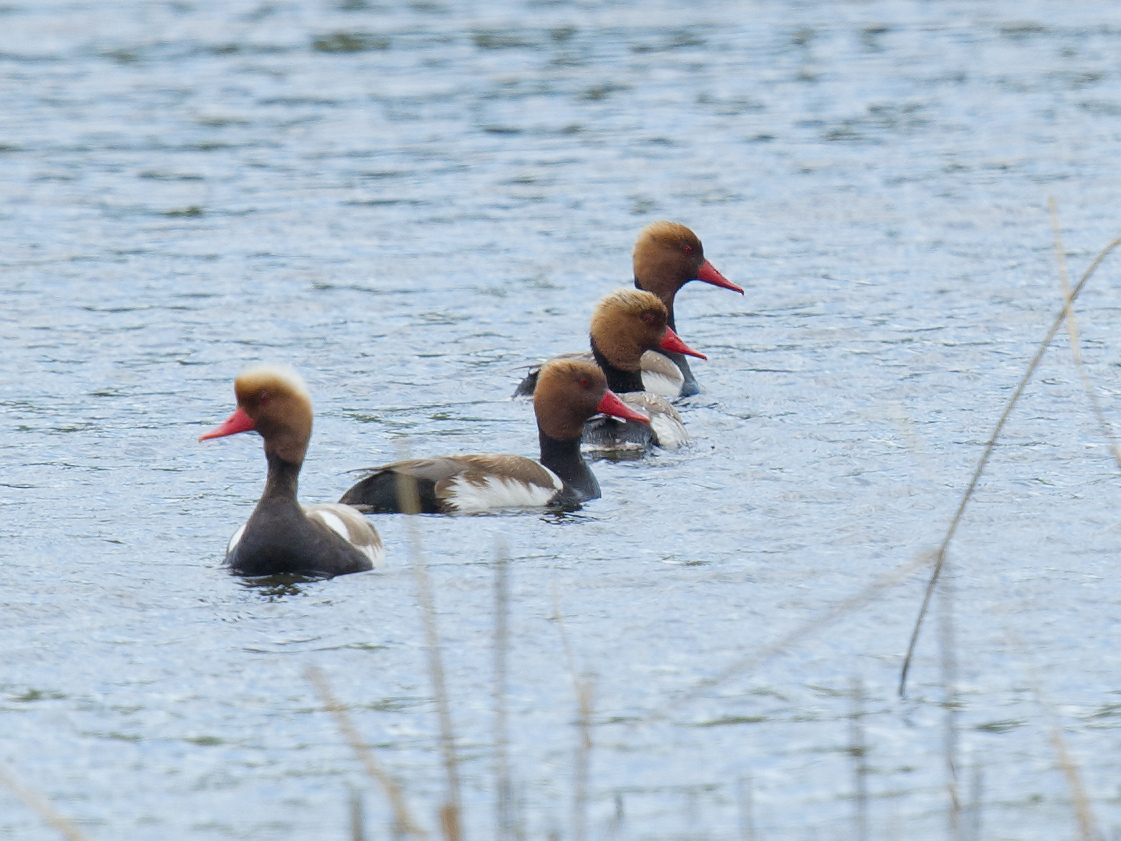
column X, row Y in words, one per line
column 333, row 522
column 237, row 536
column 499, row 492
column 662, row 385
column 376, row 554
column 670, row 431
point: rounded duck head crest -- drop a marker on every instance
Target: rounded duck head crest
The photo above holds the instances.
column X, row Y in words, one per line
column 276, row 399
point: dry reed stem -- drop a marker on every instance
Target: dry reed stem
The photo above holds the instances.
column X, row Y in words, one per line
column 584, row 692
column 858, row 750
column 976, row 789
column 357, row 818
column 746, row 808
column 39, row 805
column 1075, row 344
column 984, row 460
column 408, row 499
column 1086, row 822
column 949, row 695
column 502, row 783
column 1081, row 803
column 373, row 768
column 841, row 609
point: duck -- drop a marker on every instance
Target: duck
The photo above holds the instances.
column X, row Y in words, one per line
column 282, row 536
column 569, row 391
column 626, row 324
column 667, row 255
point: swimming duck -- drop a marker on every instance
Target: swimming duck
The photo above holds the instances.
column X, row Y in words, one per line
column 668, row 255
column 282, row 536
column 625, row 325
column 569, row 391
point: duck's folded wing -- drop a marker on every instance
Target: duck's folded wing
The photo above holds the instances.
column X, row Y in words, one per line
column 379, row 491
column 665, row 421
column 661, row 375
column 490, row 483
column 351, row 526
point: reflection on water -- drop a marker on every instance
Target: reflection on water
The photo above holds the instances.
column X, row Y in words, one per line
column 409, row 203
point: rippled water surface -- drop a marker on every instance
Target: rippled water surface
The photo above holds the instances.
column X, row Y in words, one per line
column 410, row 202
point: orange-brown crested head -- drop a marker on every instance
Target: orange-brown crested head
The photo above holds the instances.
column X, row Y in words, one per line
column 626, row 324
column 666, row 257
column 568, row 393
column 274, row 402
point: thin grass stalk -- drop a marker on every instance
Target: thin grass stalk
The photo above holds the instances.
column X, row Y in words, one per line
column 40, row 806
column 1075, row 344
column 619, row 818
column 984, row 460
column 1083, row 812
column 976, row 801
column 582, row 769
column 746, row 803
column 1082, row 809
column 403, row 820
column 949, row 695
column 858, row 750
column 357, row 818
column 584, row 693
column 503, row 799
column 1079, row 799
column 408, row 498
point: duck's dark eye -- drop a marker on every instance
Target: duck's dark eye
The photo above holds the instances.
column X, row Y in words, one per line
column 688, row 249
column 263, row 397
column 585, row 382
column 648, row 317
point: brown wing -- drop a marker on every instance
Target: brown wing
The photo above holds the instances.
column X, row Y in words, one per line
column 468, row 483
column 488, row 483
column 352, row 527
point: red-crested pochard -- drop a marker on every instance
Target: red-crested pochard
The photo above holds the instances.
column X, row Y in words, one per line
column 569, row 391
column 281, row 536
column 625, row 325
column 666, row 257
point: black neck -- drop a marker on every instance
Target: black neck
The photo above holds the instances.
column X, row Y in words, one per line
column 564, row 459
column 283, row 478
column 618, row 380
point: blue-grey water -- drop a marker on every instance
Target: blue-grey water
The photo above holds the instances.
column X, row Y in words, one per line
column 408, row 202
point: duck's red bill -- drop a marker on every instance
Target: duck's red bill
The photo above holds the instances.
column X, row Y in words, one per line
column 237, row 422
column 672, row 342
column 709, row 274
column 612, row 405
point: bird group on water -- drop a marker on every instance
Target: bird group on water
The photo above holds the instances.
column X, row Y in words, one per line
column 617, row 396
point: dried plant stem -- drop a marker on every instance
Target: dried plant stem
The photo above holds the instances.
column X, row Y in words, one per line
column 450, row 814
column 1075, row 344
column 984, row 460
column 859, row 751
column 39, row 805
column 502, row 784
column 357, row 818
column 949, row 703
column 976, row 790
column 746, row 800
column 584, row 696
column 1086, row 823
column 374, row 769
column 1084, row 814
